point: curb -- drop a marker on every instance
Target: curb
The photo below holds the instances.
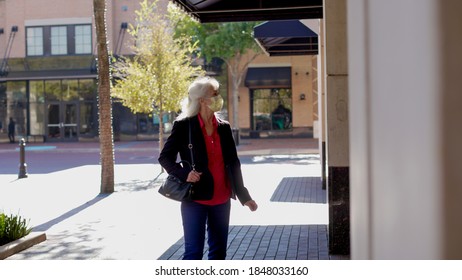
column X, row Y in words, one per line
column 277, row 151
column 21, row 244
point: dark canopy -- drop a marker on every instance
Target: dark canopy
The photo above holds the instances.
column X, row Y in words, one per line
column 251, row 10
column 286, row 37
column 268, row 77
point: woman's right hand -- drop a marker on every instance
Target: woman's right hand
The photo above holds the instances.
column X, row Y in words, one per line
column 194, row 176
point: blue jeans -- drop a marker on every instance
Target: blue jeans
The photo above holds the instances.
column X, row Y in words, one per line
column 196, row 219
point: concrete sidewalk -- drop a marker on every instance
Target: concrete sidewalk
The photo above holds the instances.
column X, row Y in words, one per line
column 135, row 222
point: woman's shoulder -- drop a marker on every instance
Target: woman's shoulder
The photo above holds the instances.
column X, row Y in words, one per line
column 221, row 121
column 183, row 120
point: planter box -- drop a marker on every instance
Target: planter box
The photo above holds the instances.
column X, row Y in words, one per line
column 21, row 244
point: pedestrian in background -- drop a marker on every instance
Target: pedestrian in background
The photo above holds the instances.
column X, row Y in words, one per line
column 11, row 129
column 217, row 176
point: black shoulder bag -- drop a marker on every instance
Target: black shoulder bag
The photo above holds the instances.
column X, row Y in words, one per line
column 173, row 187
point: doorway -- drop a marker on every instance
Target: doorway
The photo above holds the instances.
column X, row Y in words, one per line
column 62, row 121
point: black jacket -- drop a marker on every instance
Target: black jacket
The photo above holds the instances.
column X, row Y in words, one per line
column 178, row 142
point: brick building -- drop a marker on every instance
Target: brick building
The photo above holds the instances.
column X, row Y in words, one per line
column 48, row 77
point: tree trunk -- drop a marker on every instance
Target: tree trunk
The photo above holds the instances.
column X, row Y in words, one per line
column 236, row 77
column 237, row 73
column 235, row 92
column 161, row 131
column 104, row 100
column 232, row 68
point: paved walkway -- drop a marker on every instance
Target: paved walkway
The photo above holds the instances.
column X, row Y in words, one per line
column 276, row 242
column 135, row 222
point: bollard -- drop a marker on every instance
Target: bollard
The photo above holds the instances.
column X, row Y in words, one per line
column 22, row 159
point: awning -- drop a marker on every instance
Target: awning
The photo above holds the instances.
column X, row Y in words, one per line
column 286, row 37
column 251, row 10
column 268, row 77
column 49, row 75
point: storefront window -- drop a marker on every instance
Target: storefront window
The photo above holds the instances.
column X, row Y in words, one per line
column 154, row 123
column 70, row 90
column 16, row 106
column 37, row 91
column 87, row 119
column 87, row 89
column 37, row 118
column 272, row 109
column 16, row 92
column 53, row 90
column 3, row 115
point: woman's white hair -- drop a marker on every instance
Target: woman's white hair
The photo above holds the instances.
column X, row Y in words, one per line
column 197, row 90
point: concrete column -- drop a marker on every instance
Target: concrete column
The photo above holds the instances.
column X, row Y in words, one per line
column 336, row 67
column 322, row 104
column 405, row 126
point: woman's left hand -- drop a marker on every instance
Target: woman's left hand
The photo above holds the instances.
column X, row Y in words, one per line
column 252, row 205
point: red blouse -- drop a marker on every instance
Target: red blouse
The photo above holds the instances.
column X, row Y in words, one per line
column 216, row 165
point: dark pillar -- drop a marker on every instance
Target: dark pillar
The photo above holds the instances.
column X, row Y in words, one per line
column 339, row 210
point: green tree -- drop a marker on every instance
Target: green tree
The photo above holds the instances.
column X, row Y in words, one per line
column 233, row 42
column 156, row 79
column 104, row 99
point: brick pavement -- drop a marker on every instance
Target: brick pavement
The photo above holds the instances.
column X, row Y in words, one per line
column 300, row 189
column 274, row 242
column 277, row 242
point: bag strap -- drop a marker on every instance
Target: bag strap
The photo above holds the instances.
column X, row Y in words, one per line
column 190, row 146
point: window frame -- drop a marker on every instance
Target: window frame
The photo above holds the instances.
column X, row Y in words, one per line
column 71, row 40
column 75, row 39
column 42, row 41
column 261, row 122
column 66, row 39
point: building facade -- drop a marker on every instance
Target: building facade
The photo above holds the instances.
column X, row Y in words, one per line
column 278, row 97
column 48, row 77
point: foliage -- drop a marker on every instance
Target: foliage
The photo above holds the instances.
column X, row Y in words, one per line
column 228, row 41
column 12, row 227
column 233, row 42
column 159, row 74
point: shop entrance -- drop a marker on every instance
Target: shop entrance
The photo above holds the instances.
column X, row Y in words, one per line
column 62, row 121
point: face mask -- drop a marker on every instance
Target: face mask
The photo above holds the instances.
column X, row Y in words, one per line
column 217, row 103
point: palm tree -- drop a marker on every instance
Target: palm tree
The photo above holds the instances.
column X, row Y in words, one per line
column 104, row 100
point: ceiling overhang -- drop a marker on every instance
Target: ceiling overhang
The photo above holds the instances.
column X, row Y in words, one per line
column 286, row 37
column 251, row 10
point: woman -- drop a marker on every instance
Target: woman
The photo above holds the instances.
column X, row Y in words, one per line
column 217, row 176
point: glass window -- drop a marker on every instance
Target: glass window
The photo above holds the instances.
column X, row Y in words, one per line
column 167, row 121
column 272, row 109
column 37, row 91
column 70, row 91
column 83, row 39
column 87, row 89
column 34, row 41
column 58, row 40
column 16, row 91
column 87, row 119
column 17, row 106
column 3, row 111
column 53, row 90
column 37, row 118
